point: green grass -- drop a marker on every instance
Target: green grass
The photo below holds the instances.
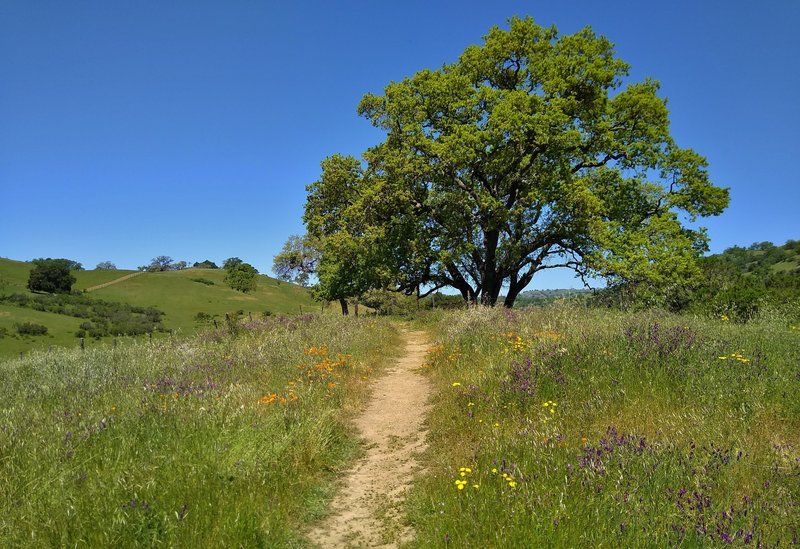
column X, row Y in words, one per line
column 60, row 330
column 88, row 279
column 174, row 292
column 181, row 298
column 594, row 428
column 213, row 441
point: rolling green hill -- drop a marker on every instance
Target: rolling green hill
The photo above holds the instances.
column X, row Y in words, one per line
column 181, row 295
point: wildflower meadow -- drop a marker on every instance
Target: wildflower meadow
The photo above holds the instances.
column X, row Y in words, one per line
column 224, row 440
column 565, row 426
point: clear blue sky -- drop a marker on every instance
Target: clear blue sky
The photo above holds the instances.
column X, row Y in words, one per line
column 191, row 128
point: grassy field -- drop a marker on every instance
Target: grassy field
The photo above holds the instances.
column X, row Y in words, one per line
column 181, row 295
column 571, row 427
column 216, row 441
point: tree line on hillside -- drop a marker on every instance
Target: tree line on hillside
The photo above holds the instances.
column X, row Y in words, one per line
column 54, row 276
column 736, row 284
column 530, row 152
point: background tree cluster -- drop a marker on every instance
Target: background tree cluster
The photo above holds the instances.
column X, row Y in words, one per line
column 530, row 152
column 736, row 284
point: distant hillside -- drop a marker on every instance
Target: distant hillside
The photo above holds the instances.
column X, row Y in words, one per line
column 764, row 258
column 189, row 299
column 531, row 297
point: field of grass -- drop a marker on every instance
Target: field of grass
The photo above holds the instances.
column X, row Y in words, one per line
column 181, row 295
column 61, row 330
column 215, row 441
column 571, row 427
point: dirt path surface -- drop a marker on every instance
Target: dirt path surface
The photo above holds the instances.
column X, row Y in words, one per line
column 367, row 511
column 115, row 281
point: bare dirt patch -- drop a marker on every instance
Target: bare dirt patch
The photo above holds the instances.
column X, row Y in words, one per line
column 367, row 512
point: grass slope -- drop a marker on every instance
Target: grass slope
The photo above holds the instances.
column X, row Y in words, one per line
column 174, row 292
column 181, row 297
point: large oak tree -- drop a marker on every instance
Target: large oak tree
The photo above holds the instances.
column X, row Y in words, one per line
column 531, row 152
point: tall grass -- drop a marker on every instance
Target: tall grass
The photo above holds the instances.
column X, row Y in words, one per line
column 565, row 426
column 228, row 439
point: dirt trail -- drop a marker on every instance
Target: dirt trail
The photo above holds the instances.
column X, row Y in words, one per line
column 115, row 281
column 367, row 510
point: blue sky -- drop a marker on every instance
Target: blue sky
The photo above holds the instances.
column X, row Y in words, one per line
column 191, row 128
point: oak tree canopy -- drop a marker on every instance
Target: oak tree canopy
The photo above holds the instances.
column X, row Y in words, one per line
column 532, row 151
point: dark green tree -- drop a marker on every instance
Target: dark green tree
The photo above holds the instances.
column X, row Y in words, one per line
column 106, row 266
column 231, row 263
column 51, row 276
column 242, row 277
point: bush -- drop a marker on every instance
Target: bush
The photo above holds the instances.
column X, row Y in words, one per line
column 51, row 276
column 31, row 328
column 205, row 281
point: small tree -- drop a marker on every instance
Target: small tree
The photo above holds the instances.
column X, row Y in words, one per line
column 298, row 259
column 242, row 278
column 51, row 276
column 207, row 264
column 106, row 266
column 231, row 263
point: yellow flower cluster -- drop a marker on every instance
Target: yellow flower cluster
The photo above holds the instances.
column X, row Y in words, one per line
column 508, row 479
column 737, row 357
column 515, row 343
column 462, row 482
column 724, row 318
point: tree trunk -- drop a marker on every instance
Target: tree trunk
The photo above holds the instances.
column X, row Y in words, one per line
column 355, row 307
column 343, row 303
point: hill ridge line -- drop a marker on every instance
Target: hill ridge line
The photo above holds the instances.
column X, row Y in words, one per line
column 115, row 281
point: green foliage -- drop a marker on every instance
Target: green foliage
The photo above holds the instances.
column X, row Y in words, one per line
column 106, row 266
column 30, row 328
column 207, row 264
column 205, row 281
column 736, row 284
column 242, row 277
column 298, row 259
column 231, row 263
column 69, row 264
column 51, row 276
column 103, row 318
column 160, row 264
column 595, row 428
column 527, row 153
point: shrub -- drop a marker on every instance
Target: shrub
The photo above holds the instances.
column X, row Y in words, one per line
column 31, row 328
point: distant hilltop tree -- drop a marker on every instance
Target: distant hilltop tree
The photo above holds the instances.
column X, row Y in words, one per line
column 164, row 263
column 241, row 277
column 207, row 264
column 231, row 263
column 68, row 263
column 106, row 266
column 51, row 276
